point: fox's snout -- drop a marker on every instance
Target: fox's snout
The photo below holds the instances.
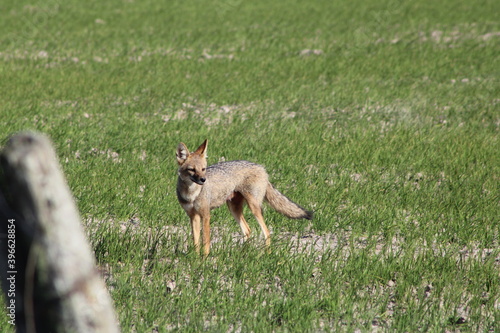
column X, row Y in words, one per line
column 198, row 180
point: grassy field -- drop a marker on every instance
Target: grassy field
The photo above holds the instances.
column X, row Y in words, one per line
column 381, row 117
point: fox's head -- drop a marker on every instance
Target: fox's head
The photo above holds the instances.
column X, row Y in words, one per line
column 192, row 166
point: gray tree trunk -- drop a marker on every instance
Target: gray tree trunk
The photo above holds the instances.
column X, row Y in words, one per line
column 47, row 267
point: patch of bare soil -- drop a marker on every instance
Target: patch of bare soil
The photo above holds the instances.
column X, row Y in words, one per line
column 312, row 242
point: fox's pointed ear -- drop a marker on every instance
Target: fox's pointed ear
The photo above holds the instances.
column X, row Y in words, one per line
column 181, row 153
column 202, row 149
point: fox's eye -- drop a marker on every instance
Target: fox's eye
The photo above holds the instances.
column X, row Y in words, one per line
column 190, row 169
column 203, row 169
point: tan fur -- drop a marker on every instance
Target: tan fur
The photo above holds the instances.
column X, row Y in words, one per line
column 201, row 188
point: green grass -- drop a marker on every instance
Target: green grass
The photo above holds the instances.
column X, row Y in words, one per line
column 389, row 133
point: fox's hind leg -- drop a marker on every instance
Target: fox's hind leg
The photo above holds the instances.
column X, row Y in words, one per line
column 255, row 207
column 235, row 205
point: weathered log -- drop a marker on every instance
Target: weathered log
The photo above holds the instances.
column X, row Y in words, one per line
column 57, row 287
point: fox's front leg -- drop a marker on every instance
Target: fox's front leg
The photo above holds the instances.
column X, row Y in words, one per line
column 196, row 229
column 206, row 233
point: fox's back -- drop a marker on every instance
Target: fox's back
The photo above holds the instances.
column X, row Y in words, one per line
column 225, row 178
column 222, row 169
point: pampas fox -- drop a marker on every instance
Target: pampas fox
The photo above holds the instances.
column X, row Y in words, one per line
column 201, row 188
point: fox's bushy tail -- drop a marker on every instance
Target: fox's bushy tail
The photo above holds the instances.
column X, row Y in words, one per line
column 285, row 206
